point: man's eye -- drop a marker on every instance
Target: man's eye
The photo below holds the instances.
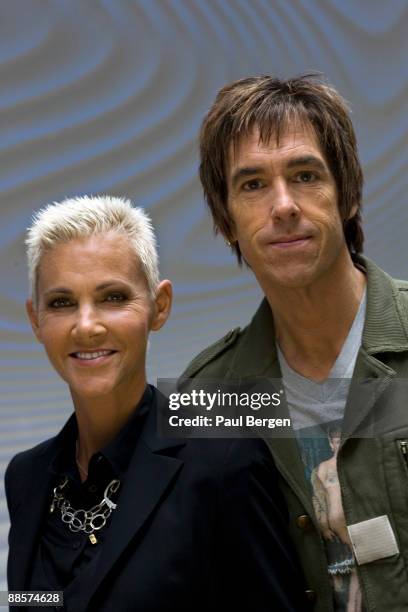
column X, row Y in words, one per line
column 306, row 177
column 60, row 302
column 253, row 185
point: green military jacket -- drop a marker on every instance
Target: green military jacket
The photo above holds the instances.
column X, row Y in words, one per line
column 373, row 471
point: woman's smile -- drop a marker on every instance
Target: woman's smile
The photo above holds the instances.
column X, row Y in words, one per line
column 92, row 358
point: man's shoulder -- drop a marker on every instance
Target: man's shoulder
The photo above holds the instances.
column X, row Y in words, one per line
column 382, row 279
column 213, row 361
column 401, row 296
column 402, row 286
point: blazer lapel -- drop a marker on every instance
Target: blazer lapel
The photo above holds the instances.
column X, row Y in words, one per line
column 148, row 477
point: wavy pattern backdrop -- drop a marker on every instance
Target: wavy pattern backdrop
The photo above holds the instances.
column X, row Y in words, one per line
column 108, row 95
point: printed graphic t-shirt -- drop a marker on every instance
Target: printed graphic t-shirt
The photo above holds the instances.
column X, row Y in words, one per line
column 317, row 411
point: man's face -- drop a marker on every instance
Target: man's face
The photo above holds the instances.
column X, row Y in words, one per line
column 283, row 202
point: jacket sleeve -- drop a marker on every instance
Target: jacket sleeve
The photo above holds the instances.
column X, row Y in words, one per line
column 11, row 494
column 257, row 566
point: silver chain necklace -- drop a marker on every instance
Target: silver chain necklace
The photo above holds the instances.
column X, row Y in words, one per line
column 85, row 520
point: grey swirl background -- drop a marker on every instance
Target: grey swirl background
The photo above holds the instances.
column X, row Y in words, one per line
column 108, row 95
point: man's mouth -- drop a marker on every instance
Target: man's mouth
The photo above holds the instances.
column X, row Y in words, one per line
column 290, row 241
column 92, row 355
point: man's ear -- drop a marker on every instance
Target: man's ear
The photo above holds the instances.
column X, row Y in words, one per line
column 33, row 317
column 162, row 304
column 228, row 232
column 353, row 211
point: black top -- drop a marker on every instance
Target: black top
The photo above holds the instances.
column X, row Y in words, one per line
column 63, row 554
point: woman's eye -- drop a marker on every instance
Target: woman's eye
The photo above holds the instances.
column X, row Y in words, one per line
column 60, row 302
column 115, row 297
column 306, row 177
column 253, row 185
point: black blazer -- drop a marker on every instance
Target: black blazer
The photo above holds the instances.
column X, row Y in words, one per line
column 200, row 525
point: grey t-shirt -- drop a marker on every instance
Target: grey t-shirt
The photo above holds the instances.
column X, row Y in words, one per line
column 316, row 411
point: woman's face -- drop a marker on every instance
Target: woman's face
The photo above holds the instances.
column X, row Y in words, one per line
column 94, row 313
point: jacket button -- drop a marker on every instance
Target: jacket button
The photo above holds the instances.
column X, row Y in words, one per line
column 304, row 522
column 310, row 595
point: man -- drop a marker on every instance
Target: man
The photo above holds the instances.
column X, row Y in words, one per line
column 282, row 178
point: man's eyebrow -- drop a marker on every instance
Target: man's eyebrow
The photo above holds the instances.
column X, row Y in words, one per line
column 306, row 160
column 303, row 160
column 244, row 172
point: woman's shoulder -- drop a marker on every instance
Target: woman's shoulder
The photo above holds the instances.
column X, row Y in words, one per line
column 19, row 471
column 24, row 460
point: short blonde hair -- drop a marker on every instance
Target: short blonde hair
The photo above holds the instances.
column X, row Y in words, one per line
column 85, row 216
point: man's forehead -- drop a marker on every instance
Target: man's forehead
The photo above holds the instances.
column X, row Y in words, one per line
column 296, row 133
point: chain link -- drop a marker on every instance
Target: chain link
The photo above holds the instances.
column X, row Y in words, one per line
column 85, row 520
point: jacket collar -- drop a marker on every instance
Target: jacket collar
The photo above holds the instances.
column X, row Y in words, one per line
column 386, row 324
column 256, row 354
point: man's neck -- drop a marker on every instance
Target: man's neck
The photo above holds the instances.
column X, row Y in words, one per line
column 312, row 323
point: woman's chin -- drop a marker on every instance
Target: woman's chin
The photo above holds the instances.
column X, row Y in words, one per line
column 91, row 391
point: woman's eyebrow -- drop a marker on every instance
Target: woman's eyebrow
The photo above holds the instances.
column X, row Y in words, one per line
column 111, row 283
column 100, row 287
column 57, row 290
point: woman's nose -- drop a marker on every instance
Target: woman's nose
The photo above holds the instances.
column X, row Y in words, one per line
column 88, row 323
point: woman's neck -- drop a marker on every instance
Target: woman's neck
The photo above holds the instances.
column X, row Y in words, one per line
column 100, row 420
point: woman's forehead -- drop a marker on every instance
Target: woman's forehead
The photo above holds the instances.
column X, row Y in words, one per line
column 90, row 260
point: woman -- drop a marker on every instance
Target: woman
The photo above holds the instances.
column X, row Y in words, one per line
column 107, row 512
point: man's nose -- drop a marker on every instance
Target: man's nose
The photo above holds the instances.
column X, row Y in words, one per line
column 88, row 323
column 283, row 203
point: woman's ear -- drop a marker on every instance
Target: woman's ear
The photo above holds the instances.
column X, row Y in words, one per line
column 162, row 304
column 33, row 317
